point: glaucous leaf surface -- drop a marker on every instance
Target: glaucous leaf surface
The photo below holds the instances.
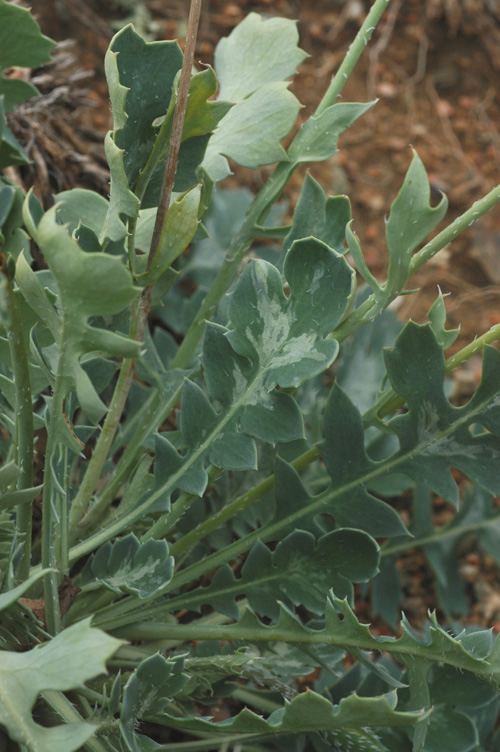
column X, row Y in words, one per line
column 299, row 571
column 149, row 689
column 410, row 221
column 307, row 712
column 275, row 341
column 21, row 44
column 128, row 566
column 77, row 654
column 441, row 431
column 317, row 139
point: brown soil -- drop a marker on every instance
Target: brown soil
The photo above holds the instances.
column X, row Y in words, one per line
column 435, row 73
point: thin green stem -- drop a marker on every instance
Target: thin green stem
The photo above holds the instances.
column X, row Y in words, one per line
column 353, row 54
column 141, row 311
column 356, row 641
column 386, row 405
column 373, row 306
column 237, row 250
column 235, row 507
column 459, row 225
column 273, row 530
column 68, row 713
column 101, row 450
column 54, row 543
column 23, row 440
column 390, row 549
column 153, row 413
column 167, row 521
column 389, row 402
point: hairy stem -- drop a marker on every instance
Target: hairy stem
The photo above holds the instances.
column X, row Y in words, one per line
column 54, row 498
column 23, row 440
column 260, row 633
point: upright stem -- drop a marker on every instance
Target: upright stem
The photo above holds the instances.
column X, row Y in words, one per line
column 140, row 313
column 55, row 554
column 177, row 126
column 110, row 425
column 353, row 54
column 23, row 440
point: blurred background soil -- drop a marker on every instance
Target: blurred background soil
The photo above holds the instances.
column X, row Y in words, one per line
column 434, row 66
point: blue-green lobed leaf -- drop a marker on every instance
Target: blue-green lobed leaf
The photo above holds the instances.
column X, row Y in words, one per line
column 299, row 570
column 148, row 690
column 21, row 44
column 410, row 221
column 128, row 566
column 435, row 436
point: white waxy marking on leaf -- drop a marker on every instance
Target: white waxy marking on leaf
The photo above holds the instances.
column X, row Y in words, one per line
column 240, row 383
column 296, row 349
column 276, row 327
column 319, row 273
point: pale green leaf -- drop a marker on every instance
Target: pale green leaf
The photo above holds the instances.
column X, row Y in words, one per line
column 21, row 496
column 477, row 652
column 251, row 132
column 285, row 336
column 36, row 296
column 257, row 52
column 80, row 206
column 9, row 472
column 319, row 217
column 21, row 44
column 90, row 284
column 437, row 317
column 450, row 731
column 77, row 654
column 122, row 202
column 307, row 712
column 202, row 113
column 178, row 230
column 140, row 78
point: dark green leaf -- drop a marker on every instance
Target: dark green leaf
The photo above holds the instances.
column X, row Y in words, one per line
column 410, row 221
column 435, row 436
column 317, row 139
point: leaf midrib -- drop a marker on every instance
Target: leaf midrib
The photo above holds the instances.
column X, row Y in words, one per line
column 321, row 501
